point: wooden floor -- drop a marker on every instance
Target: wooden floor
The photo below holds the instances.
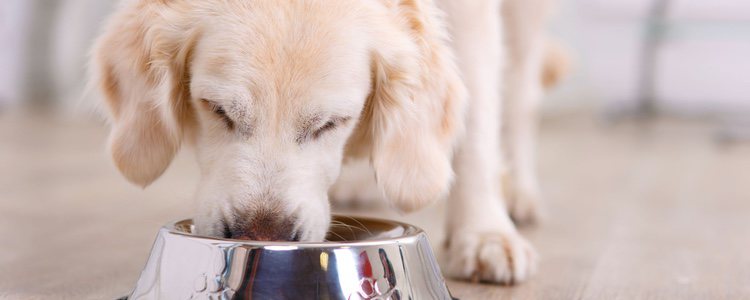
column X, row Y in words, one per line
column 653, row 211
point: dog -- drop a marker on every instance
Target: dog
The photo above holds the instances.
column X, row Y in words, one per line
column 276, row 96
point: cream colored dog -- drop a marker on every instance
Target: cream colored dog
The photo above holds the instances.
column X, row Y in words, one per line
column 275, row 95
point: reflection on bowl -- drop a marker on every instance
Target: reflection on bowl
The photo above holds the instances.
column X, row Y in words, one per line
column 363, row 258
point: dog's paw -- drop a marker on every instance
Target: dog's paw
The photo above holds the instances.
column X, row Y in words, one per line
column 494, row 257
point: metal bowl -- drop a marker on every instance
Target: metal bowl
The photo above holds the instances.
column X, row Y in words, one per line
column 363, row 259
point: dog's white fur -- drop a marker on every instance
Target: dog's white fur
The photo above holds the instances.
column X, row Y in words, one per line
column 305, row 85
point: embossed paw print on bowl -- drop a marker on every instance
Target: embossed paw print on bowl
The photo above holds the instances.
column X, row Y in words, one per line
column 384, row 260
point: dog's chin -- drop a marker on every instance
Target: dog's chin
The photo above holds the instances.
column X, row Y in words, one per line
column 307, row 221
column 209, row 227
column 204, row 226
column 314, row 231
column 315, row 237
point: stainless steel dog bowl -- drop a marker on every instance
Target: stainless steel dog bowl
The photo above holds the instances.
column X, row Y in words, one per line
column 362, row 259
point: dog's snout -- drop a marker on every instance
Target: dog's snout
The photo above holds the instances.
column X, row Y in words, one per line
column 264, row 227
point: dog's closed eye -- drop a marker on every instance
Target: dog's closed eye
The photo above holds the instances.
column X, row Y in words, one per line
column 330, row 125
column 312, row 133
column 220, row 112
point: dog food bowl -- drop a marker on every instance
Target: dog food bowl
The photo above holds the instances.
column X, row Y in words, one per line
column 363, row 259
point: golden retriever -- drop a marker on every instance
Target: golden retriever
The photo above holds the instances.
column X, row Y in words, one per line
column 276, row 95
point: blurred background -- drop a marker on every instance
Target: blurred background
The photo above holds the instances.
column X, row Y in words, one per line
column 679, row 57
column 650, row 126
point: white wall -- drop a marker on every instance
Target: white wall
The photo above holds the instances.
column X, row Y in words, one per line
column 77, row 25
column 45, row 50
column 14, row 19
column 703, row 65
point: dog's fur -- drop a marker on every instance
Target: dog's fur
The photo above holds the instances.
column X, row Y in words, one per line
column 275, row 95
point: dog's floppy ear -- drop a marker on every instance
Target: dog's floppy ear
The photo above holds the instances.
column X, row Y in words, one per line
column 415, row 111
column 139, row 66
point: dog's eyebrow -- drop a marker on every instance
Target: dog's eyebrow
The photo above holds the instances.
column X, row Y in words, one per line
column 312, row 128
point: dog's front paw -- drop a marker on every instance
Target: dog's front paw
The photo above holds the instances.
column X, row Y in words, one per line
column 496, row 257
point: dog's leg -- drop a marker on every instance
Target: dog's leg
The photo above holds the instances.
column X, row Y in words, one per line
column 524, row 38
column 482, row 241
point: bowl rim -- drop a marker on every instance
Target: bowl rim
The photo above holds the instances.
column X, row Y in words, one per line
column 410, row 236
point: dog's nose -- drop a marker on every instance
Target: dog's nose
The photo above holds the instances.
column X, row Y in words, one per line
column 265, row 227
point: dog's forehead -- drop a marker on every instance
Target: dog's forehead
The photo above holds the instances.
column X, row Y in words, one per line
column 317, row 78
column 282, row 62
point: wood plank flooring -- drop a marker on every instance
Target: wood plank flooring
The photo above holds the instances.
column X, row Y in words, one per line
column 635, row 211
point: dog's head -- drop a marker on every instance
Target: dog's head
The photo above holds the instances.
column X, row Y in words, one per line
column 273, row 95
